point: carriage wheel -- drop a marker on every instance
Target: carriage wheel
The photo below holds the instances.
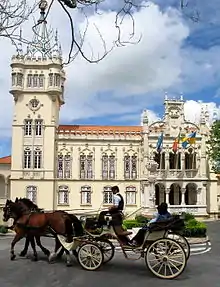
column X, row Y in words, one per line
column 165, row 258
column 90, row 256
column 107, row 248
column 182, row 241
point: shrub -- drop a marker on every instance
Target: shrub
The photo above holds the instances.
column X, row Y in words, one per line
column 129, row 224
column 3, row 229
column 188, row 216
column 141, row 219
column 195, row 228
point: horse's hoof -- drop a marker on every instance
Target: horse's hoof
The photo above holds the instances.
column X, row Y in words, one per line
column 13, row 257
column 22, row 254
column 51, row 257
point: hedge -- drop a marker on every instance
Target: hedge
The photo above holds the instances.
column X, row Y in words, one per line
column 193, row 228
column 3, row 229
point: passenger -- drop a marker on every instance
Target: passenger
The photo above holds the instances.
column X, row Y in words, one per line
column 161, row 215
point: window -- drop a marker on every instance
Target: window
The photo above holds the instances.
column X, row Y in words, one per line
column 57, row 80
column 60, row 167
column 19, row 79
column 27, row 158
column 28, row 128
column 37, row 158
column 35, row 80
column 131, row 195
column 41, row 81
column 86, row 171
column 38, row 127
column 31, row 193
column 108, row 195
column 13, row 79
column 108, row 167
column 50, row 79
column 29, row 80
column 63, row 195
column 130, row 167
column 85, row 195
column 190, row 159
column 67, row 166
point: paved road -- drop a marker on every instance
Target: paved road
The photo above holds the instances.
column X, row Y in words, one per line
column 202, row 270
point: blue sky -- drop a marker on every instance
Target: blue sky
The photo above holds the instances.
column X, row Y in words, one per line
column 175, row 55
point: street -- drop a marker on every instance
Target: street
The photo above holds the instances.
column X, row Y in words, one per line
column 202, row 269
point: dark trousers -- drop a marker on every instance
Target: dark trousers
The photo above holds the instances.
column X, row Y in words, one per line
column 116, row 217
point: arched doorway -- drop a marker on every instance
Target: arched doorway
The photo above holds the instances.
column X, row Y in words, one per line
column 191, row 194
column 175, row 194
column 2, row 186
column 159, row 193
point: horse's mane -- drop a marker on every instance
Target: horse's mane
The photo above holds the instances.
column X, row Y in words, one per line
column 28, row 203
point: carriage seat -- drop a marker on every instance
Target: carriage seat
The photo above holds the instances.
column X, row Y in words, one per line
column 175, row 223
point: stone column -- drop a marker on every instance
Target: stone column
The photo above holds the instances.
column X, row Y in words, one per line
column 183, row 191
column 199, row 196
column 167, row 191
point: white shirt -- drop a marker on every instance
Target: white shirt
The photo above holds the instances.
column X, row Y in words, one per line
column 116, row 200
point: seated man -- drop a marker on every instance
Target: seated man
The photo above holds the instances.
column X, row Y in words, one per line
column 116, row 212
column 161, row 215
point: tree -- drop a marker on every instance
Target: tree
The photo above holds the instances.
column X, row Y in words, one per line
column 214, row 146
column 13, row 13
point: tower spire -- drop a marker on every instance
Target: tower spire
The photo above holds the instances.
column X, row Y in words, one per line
column 41, row 45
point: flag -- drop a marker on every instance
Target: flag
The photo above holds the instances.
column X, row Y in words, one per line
column 191, row 139
column 176, row 143
column 160, row 143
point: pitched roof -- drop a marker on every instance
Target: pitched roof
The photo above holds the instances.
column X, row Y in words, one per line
column 99, row 129
column 5, row 160
column 88, row 129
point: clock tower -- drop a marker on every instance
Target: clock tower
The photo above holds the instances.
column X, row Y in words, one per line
column 37, row 88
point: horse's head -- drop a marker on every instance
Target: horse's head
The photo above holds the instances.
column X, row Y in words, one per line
column 10, row 210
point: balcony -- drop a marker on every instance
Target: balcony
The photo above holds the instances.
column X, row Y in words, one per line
column 175, row 173
column 193, row 209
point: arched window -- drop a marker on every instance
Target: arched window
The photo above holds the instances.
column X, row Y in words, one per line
column 108, row 167
column 60, row 166
column 51, row 79
column 67, row 166
column 131, row 195
column 107, row 195
column 28, row 127
column 41, row 80
column 86, row 195
column 19, row 79
column 29, row 80
column 130, row 167
column 27, row 158
column 31, row 193
column 37, row 158
column 86, row 167
column 63, row 195
column 38, row 127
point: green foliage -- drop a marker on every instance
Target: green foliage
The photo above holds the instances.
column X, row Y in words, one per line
column 195, row 228
column 3, row 229
column 141, row 219
column 214, row 146
column 129, row 224
column 188, row 216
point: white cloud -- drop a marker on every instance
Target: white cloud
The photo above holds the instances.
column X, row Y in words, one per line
column 139, row 72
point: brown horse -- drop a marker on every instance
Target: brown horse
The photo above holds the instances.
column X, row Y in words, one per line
column 37, row 224
column 28, row 205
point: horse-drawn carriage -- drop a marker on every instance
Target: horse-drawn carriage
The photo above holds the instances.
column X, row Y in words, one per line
column 165, row 251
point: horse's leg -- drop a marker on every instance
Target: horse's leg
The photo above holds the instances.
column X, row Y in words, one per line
column 45, row 250
column 17, row 238
column 57, row 246
column 33, row 245
column 24, row 251
column 68, row 258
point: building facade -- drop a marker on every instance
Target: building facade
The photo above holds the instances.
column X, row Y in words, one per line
column 74, row 167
